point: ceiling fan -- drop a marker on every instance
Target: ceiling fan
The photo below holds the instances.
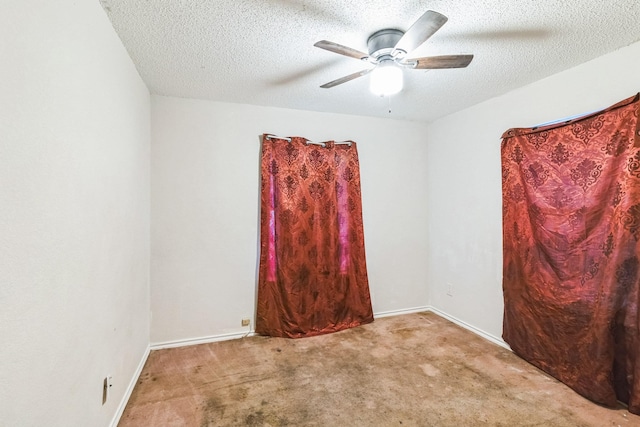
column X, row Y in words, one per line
column 389, row 51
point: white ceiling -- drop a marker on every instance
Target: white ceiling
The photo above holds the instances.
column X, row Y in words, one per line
column 261, row 52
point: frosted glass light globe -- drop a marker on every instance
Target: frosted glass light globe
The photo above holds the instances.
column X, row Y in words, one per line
column 386, row 79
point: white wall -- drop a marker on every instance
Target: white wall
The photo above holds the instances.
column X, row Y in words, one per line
column 74, row 217
column 205, row 201
column 464, row 179
column 74, row 214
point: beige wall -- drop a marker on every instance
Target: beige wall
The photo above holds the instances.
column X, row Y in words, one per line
column 205, row 201
column 464, row 180
column 74, row 214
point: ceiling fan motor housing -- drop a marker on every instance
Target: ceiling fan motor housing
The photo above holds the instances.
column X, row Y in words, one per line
column 389, row 49
column 381, row 43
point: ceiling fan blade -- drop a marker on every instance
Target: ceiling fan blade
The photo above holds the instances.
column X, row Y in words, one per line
column 342, row 50
column 436, row 62
column 346, row 78
column 420, row 31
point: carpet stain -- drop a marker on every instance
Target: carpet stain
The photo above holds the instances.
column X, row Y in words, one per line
column 430, row 370
column 213, row 412
column 259, row 419
column 405, row 332
column 410, row 370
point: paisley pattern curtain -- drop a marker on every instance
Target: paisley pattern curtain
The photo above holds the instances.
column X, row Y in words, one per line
column 571, row 230
column 312, row 274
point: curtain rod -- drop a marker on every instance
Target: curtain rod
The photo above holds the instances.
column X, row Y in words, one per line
column 269, row 136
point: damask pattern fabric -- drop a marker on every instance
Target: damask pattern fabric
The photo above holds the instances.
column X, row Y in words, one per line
column 571, row 232
column 312, row 274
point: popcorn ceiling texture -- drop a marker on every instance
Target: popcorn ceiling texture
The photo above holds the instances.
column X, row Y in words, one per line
column 261, row 52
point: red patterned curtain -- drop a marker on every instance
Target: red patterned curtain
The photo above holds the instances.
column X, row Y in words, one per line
column 313, row 274
column 571, row 230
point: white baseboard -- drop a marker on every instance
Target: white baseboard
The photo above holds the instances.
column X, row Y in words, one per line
column 399, row 312
column 480, row 332
column 201, row 340
column 130, row 387
column 236, row 335
column 421, row 309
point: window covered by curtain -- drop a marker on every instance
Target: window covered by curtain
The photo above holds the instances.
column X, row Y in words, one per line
column 312, row 273
column 571, row 232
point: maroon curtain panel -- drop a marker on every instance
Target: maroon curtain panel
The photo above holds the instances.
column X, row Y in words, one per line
column 571, row 227
column 312, row 275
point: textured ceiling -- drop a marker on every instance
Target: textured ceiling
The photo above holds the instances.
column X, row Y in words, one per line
column 261, row 52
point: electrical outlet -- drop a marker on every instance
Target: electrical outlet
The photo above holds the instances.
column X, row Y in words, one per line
column 107, row 383
column 449, row 289
column 246, row 322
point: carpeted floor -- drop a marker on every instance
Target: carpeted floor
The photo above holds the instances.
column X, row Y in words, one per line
column 410, row 370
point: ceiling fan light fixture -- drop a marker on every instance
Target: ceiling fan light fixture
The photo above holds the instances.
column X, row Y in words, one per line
column 390, row 51
column 386, row 79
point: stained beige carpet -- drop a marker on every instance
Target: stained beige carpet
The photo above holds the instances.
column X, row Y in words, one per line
column 411, row 370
